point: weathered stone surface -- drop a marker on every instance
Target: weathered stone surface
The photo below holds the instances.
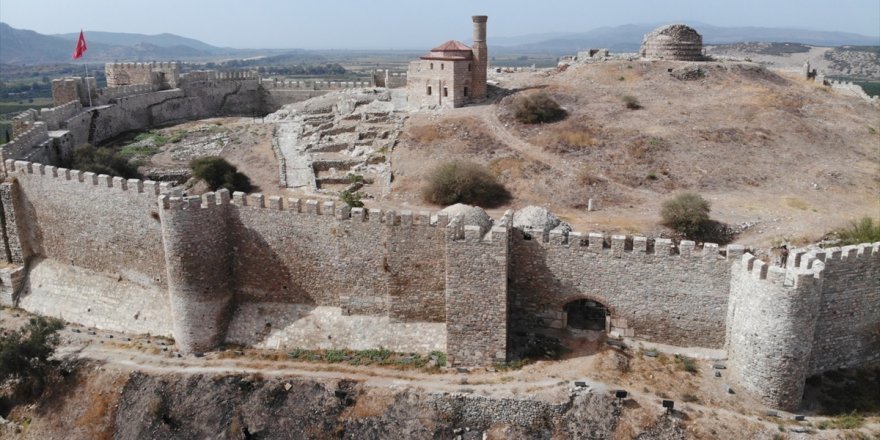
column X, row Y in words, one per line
column 470, row 216
column 673, row 42
column 538, row 217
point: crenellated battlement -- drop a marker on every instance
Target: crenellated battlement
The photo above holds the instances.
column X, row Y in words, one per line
column 216, row 75
column 35, row 135
column 841, row 254
column 159, row 74
column 630, row 245
column 808, row 271
column 54, row 117
column 148, row 66
column 296, row 206
column 315, row 84
column 134, row 186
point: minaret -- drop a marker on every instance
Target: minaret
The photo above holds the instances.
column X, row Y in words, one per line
column 481, row 58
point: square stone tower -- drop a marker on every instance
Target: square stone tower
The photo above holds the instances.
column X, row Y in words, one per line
column 452, row 74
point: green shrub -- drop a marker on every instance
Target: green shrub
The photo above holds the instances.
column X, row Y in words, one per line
column 631, row 102
column 441, row 357
column 219, row 174
column 102, row 160
column 687, row 364
column 334, row 356
column 352, row 199
column 852, row 420
column 687, row 213
column 536, row 108
column 863, row 231
column 25, row 353
column 464, row 182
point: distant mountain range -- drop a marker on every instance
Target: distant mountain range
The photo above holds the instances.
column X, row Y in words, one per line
column 628, row 38
column 19, row 46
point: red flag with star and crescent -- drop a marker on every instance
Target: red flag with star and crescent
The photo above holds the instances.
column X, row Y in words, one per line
column 80, row 46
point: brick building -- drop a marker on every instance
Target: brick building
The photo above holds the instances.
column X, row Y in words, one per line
column 452, row 74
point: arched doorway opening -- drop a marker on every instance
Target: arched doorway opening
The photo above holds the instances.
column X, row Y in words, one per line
column 586, row 314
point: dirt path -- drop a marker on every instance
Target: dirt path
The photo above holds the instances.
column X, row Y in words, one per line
column 527, row 150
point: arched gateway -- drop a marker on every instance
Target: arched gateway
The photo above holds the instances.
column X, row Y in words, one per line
column 586, row 314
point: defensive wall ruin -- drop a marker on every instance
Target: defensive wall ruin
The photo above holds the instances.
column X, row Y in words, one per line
column 135, row 256
column 143, row 95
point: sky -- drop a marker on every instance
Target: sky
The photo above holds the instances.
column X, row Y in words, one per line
column 412, row 24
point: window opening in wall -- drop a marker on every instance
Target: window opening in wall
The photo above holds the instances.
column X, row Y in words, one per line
column 465, row 91
column 445, row 92
column 429, row 90
column 441, row 66
column 585, row 314
column 432, row 66
column 469, row 67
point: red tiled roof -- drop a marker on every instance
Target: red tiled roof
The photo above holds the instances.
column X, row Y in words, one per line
column 452, row 46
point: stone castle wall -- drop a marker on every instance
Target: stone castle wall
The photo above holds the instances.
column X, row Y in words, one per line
column 818, row 314
column 289, row 273
column 104, row 224
column 848, row 325
column 476, row 294
column 126, row 74
column 22, row 144
column 652, row 291
column 56, row 116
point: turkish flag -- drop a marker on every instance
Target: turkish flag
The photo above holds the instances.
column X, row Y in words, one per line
column 80, row 46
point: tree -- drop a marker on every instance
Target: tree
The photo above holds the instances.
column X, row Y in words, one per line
column 102, row 160
column 218, row 173
column 25, row 353
column 687, row 213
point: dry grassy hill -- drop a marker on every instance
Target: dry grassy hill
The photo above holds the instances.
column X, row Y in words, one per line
column 786, row 158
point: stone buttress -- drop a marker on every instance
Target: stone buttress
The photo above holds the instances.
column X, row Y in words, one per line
column 199, row 264
column 476, row 294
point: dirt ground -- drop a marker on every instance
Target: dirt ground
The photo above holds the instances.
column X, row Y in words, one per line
column 780, row 158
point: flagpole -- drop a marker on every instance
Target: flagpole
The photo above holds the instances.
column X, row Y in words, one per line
column 88, row 88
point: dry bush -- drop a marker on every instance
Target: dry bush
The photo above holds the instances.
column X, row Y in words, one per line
column 536, row 108
column 565, row 140
column 643, row 149
column 464, row 182
column 570, row 136
column 588, row 176
column 631, row 102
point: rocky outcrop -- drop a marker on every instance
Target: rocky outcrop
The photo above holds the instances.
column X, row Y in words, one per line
column 241, row 407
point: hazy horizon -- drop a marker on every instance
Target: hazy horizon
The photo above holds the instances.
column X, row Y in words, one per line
column 387, row 24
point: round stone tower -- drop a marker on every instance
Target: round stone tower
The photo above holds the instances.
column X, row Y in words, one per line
column 673, row 42
column 199, row 268
column 481, row 58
